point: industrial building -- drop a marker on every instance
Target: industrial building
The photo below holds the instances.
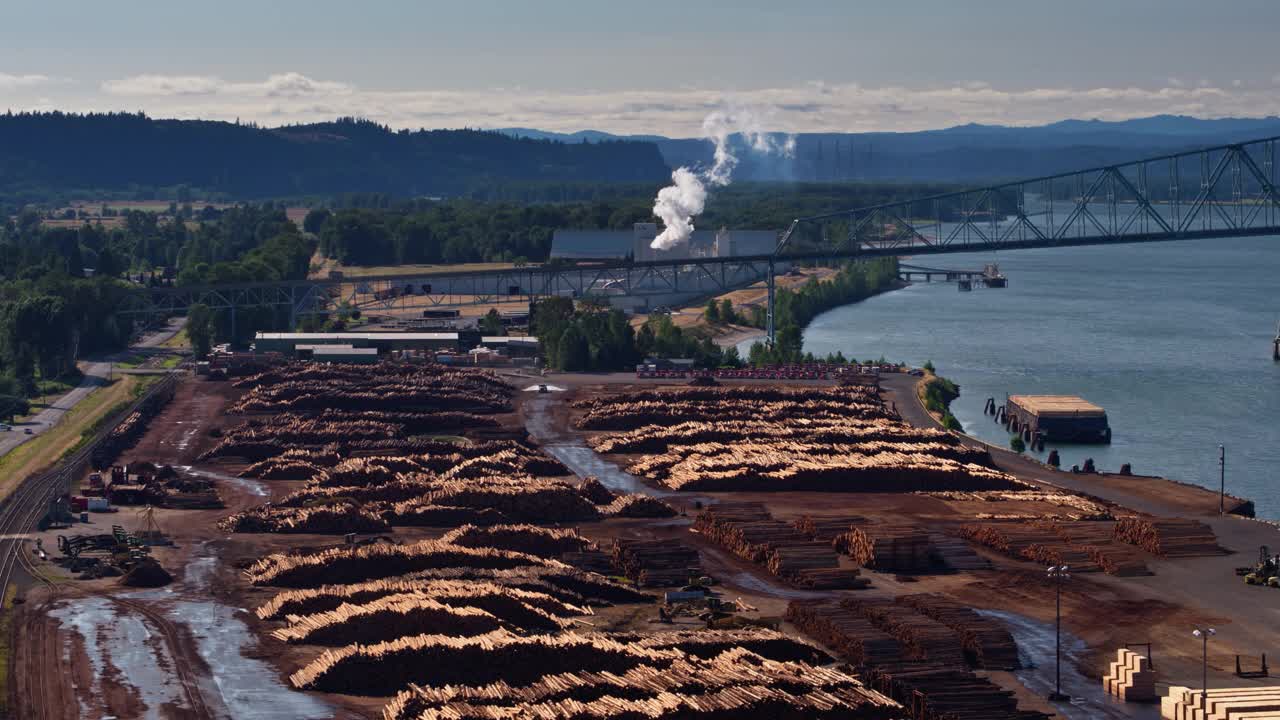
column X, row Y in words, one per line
column 312, row 344
column 634, row 244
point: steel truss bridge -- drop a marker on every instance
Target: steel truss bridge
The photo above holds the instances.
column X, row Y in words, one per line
column 1215, row 192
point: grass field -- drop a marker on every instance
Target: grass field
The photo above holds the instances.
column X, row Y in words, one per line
column 180, row 341
column 45, row 449
column 6, row 644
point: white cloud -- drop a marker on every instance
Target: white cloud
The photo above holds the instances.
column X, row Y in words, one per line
column 288, row 85
column 15, row 82
column 814, row 106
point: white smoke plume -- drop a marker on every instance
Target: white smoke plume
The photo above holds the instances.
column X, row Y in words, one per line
column 686, row 197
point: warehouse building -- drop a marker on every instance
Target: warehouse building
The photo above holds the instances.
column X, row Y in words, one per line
column 382, row 343
column 634, row 244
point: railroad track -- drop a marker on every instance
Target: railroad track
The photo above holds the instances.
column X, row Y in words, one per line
column 21, row 512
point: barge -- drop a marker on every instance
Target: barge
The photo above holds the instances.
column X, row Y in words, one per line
column 1059, row 418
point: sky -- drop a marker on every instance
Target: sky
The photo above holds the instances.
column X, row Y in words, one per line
column 656, row 67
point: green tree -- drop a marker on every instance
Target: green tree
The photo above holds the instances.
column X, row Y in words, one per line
column 315, row 220
column 727, row 313
column 11, row 405
column 200, row 329
column 712, row 312
column 491, row 324
column 574, row 353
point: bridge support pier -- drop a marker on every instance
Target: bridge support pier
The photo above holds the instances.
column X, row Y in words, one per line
column 769, row 329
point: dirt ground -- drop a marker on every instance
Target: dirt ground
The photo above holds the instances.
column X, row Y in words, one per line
column 175, row 671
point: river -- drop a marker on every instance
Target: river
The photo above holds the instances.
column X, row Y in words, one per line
column 1173, row 339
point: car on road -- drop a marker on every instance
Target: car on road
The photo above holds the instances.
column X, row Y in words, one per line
column 5, row 428
column 26, row 431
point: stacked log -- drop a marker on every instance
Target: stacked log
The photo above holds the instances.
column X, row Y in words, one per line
column 987, row 643
column 637, row 505
column 1085, row 545
column 888, row 548
column 334, row 519
column 529, row 539
column 826, row 529
column 521, row 606
column 371, row 562
column 750, row 532
column 941, row 692
column 921, row 637
column 391, row 388
column 849, row 633
column 388, row 618
column 656, row 563
column 595, row 491
column 830, row 431
column 736, row 683
column 1169, row 537
column 384, row 668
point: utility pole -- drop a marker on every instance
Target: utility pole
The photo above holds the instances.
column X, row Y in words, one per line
column 1222, row 479
column 1204, row 636
column 1057, row 574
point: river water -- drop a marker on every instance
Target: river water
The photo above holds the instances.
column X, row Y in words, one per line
column 1173, row 339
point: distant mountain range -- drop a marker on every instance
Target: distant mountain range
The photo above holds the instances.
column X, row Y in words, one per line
column 962, row 153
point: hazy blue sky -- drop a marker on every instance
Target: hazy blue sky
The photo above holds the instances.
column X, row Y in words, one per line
column 645, row 66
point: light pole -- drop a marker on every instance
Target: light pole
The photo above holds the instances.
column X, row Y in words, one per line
column 1057, row 574
column 1204, row 636
column 1222, row 479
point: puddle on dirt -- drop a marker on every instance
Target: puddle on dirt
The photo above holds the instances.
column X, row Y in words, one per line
column 249, row 687
column 584, row 461
column 253, row 487
column 127, row 643
column 1036, row 650
column 760, row 586
column 550, row 388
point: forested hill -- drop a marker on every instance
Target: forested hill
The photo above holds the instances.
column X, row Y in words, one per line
column 119, row 152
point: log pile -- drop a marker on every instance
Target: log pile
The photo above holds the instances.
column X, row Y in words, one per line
column 888, row 548
column 391, row 387
column 943, row 692
column 987, row 643
column 388, row 618
column 334, row 519
column 826, row 529
column 385, row 668
column 921, row 637
column 736, row 683
column 520, row 605
column 849, row 633
column 1169, row 537
column 372, row 562
column 656, row 563
column 131, row 429
column 658, row 439
column 750, row 532
column 529, row 539
column 637, row 505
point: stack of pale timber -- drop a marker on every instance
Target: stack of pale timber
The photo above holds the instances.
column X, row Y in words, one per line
column 371, row 562
column 1130, row 677
column 736, row 683
column 850, row 634
column 637, row 505
column 987, row 643
column 388, row 618
column 657, row 563
column 888, row 548
column 1183, row 703
column 921, row 637
column 946, row 692
column 751, row 533
column 334, row 519
column 1169, row 537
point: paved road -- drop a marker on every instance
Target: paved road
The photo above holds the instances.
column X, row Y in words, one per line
column 95, row 376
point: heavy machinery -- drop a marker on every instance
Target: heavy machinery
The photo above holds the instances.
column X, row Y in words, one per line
column 1264, row 572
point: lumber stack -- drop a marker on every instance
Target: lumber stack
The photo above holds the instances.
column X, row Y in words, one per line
column 888, row 548
column 750, row 532
column 1169, row 537
column 1184, row 703
column 657, row 563
column 1130, row 677
column 987, row 643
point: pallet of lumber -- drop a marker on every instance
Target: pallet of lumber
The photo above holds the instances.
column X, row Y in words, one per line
column 1169, row 537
